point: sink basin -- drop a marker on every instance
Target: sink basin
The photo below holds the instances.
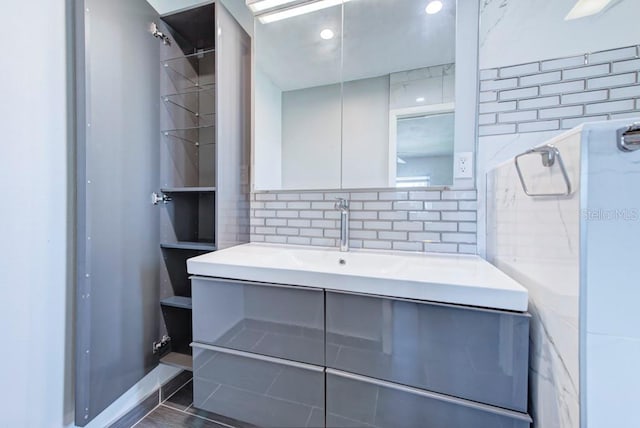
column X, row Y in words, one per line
column 445, row 278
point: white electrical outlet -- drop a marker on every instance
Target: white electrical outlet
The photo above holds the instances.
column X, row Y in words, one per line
column 463, row 165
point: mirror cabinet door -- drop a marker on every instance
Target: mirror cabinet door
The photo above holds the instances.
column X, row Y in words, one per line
column 355, row 95
column 298, row 100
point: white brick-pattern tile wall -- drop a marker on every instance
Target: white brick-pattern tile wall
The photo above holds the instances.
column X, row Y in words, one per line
column 411, row 220
column 560, row 93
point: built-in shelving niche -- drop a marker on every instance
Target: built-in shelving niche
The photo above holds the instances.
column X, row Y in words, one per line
column 188, row 172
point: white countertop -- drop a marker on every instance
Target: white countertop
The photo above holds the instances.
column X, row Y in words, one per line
column 445, row 278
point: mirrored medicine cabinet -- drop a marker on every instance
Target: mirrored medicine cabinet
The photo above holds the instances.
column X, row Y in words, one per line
column 363, row 94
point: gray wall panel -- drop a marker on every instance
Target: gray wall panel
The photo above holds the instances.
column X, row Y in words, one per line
column 119, row 256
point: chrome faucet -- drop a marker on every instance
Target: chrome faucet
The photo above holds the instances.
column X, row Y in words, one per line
column 342, row 205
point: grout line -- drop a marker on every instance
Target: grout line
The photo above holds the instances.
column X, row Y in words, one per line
column 147, row 414
column 175, row 392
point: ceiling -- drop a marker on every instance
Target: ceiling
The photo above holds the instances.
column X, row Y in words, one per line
column 380, row 37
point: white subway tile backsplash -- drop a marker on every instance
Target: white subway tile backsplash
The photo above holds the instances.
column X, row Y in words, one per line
column 276, row 222
column 468, row 227
column 441, row 226
column 393, row 215
column 288, row 196
column 492, row 85
column 518, row 116
column 378, row 206
column 298, row 223
column 612, row 81
column 539, row 102
column 364, row 215
column 584, row 97
column 265, row 197
column 497, row 107
column 424, row 236
column 467, row 249
column 378, row 225
column 555, row 64
column 586, row 71
column 408, row 205
column 408, row 225
column 610, row 107
column 323, row 205
column 407, row 246
column 298, row 240
column 287, row 214
column 562, row 88
column 488, row 96
column 460, row 195
column 625, row 92
column 311, row 214
column 497, row 129
column 311, row 196
column 538, row 79
column 623, row 66
column 466, row 238
column 424, row 216
column 612, row 55
column 376, row 245
column 393, row 236
column 576, row 121
column 323, row 242
column 275, row 239
column 393, row 196
column 459, row 216
column 489, row 74
column 326, row 224
column 275, row 205
column 519, row 93
column 560, row 112
column 287, row 231
column 426, row 195
column 441, row 248
column 299, row 205
column 441, row 206
column 311, row 232
column 363, row 234
column 487, row 119
column 519, row 70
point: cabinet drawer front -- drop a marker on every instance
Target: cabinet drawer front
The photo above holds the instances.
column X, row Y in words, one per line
column 277, row 321
column 480, row 355
column 257, row 390
column 357, row 401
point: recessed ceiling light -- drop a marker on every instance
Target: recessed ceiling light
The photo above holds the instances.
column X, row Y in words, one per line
column 420, row 99
column 326, row 34
column 433, row 7
column 585, row 8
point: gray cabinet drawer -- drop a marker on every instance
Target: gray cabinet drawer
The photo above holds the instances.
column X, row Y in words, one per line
column 258, row 390
column 475, row 354
column 273, row 320
column 357, row 401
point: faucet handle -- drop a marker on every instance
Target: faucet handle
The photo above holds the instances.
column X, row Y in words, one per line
column 342, row 204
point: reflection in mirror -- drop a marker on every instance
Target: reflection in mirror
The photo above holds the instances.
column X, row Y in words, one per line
column 358, row 95
column 298, row 100
column 404, row 57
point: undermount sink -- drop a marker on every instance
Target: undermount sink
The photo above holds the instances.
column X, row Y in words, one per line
column 445, row 278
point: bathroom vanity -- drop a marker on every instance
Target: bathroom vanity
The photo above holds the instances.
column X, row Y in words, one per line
column 310, row 337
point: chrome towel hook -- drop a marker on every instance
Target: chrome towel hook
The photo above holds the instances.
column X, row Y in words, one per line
column 550, row 155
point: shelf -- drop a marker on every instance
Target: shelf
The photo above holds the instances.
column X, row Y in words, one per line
column 181, row 361
column 188, row 190
column 183, row 245
column 177, row 302
column 191, row 109
column 191, row 71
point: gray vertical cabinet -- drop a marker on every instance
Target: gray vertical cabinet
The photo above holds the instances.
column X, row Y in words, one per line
column 170, row 120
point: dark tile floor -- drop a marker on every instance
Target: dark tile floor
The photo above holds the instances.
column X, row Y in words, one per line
column 177, row 411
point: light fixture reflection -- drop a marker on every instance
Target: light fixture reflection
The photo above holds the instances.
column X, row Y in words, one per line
column 326, row 34
column 434, row 7
column 584, row 8
column 298, row 10
column 260, row 5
